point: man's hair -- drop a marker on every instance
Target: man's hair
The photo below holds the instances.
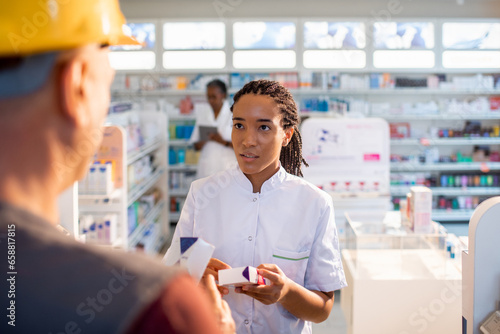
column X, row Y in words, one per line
column 219, row 84
column 291, row 155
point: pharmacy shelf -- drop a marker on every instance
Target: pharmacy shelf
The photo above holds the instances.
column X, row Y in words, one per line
column 392, row 91
column 100, row 199
column 141, row 188
column 313, row 91
column 461, row 166
column 320, row 114
column 450, row 191
column 451, row 215
column 178, row 192
column 174, row 216
column 440, row 117
column 163, row 92
column 446, row 141
column 142, row 151
column 179, row 142
column 183, row 168
column 152, row 215
column 181, row 118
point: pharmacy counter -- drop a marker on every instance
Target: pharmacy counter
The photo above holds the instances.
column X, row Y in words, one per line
column 401, row 291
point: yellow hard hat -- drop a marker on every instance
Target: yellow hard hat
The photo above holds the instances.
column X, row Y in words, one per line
column 36, row 26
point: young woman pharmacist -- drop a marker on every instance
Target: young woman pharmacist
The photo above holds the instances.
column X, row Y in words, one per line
column 261, row 214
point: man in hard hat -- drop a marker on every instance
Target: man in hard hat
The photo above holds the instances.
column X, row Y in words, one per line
column 54, row 93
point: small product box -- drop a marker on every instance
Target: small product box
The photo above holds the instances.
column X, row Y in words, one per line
column 421, row 209
column 240, row 276
column 193, row 254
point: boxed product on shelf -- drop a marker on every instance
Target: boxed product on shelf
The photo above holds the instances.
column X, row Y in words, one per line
column 421, row 209
column 138, row 171
column 400, row 130
column 99, row 180
column 99, row 229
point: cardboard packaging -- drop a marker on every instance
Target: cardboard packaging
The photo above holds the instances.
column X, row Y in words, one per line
column 193, row 254
column 421, row 210
column 240, row 276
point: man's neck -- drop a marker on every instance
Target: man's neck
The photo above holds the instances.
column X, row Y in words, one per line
column 31, row 196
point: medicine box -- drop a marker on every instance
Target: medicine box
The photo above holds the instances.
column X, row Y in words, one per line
column 240, row 276
column 421, row 210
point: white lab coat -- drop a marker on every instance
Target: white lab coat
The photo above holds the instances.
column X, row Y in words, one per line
column 214, row 157
column 289, row 223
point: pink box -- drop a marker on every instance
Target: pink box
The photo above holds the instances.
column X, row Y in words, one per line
column 240, row 276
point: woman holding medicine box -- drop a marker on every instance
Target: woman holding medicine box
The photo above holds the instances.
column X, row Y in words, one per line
column 262, row 214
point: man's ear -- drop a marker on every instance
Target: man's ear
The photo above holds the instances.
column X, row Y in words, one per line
column 288, row 135
column 72, row 93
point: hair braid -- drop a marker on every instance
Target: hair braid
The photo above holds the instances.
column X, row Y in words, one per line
column 291, row 155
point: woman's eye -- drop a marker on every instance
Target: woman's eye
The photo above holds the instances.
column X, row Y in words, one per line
column 238, row 126
column 265, row 127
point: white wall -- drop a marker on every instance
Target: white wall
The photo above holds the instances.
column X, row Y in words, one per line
column 375, row 9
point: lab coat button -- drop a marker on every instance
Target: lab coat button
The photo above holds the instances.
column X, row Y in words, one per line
column 255, row 199
column 247, row 322
column 250, row 238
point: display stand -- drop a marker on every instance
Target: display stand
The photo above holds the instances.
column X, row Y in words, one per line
column 481, row 267
column 349, row 159
column 150, row 231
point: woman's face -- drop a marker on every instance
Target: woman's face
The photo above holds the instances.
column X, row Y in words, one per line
column 258, row 136
column 215, row 97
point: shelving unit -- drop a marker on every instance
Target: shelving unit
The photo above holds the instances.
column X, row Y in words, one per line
column 462, row 166
column 420, row 119
column 114, row 148
column 451, row 191
column 180, row 172
column 447, row 141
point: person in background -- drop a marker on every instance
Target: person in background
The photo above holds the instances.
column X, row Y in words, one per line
column 216, row 152
column 55, row 80
column 261, row 213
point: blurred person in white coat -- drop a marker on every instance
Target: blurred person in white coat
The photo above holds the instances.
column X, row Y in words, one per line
column 217, row 151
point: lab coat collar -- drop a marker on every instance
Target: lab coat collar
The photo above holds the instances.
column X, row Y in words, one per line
column 272, row 183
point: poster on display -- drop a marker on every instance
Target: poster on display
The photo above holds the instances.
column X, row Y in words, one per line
column 347, row 157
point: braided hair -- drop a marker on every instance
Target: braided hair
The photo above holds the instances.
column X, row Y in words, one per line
column 291, row 155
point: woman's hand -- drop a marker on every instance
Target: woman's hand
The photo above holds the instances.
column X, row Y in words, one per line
column 213, row 267
column 268, row 294
column 199, row 145
column 220, row 307
column 217, row 138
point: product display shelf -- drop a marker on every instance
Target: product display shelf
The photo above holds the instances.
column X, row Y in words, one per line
column 179, row 192
column 440, row 117
column 114, row 148
column 143, row 151
column 184, row 167
column 149, row 219
column 451, row 215
column 163, row 92
column 450, row 191
column 174, row 216
column 181, row 118
column 446, row 141
column 332, row 114
column 460, row 166
column 140, row 189
column 178, row 142
column 311, row 91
